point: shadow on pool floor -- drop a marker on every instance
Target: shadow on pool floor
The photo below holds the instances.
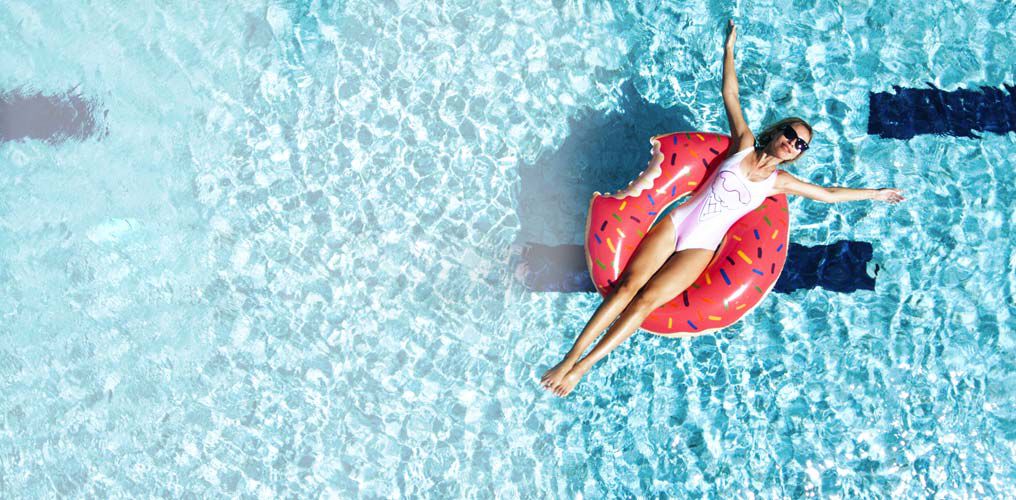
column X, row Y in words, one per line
column 51, row 118
column 839, row 267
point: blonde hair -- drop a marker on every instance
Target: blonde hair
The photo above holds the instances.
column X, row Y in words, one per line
column 766, row 136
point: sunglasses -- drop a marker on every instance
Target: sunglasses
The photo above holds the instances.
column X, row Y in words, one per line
column 791, row 135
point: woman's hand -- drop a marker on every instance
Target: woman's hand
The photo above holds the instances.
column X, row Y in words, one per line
column 731, row 34
column 889, row 195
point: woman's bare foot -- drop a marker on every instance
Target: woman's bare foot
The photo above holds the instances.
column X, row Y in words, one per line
column 569, row 380
column 552, row 378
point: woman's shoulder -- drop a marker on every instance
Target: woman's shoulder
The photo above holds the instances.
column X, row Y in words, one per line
column 784, row 180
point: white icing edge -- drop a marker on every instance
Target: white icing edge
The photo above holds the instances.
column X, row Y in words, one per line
column 645, row 179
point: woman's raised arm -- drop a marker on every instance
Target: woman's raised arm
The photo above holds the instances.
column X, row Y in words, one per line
column 739, row 130
column 788, row 184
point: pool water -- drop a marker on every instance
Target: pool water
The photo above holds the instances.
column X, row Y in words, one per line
column 286, row 268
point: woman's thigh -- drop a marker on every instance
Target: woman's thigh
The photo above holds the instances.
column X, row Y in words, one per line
column 652, row 252
column 674, row 276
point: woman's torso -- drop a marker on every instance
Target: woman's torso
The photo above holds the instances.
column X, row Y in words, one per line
column 726, row 197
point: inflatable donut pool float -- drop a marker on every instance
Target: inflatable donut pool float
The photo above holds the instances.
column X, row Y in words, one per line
column 748, row 260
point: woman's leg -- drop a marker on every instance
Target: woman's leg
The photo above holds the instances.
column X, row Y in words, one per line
column 676, row 275
column 652, row 252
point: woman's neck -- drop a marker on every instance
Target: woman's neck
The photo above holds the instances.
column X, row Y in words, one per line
column 761, row 159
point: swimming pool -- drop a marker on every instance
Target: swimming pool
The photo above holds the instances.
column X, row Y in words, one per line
column 285, row 268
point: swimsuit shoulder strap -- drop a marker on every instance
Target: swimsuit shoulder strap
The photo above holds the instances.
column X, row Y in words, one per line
column 734, row 159
column 745, row 150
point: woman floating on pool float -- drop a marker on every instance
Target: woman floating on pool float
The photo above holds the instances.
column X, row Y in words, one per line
column 677, row 250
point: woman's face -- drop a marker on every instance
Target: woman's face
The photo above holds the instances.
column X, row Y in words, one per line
column 783, row 147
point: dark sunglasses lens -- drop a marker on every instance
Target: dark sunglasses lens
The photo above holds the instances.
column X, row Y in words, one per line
column 791, row 135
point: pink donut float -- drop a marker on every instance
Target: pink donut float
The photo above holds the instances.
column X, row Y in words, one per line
column 747, row 263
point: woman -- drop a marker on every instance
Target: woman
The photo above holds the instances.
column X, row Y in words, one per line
column 677, row 249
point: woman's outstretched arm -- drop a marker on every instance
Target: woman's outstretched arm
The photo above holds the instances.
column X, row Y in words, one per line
column 731, row 100
column 788, row 184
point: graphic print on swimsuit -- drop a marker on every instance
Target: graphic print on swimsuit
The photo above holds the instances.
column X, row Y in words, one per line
column 726, row 194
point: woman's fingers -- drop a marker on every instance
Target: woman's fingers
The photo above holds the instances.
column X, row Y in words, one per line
column 892, row 195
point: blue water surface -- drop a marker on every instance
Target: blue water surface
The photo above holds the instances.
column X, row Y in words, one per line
column 286, row 270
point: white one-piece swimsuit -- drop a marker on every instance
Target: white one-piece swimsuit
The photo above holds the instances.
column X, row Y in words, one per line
column 702, row 221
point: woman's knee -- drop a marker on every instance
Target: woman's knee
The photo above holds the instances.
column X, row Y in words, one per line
column 628, row 287
column 648, row 300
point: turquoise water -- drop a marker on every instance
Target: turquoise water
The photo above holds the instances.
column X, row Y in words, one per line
column 286, row 270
